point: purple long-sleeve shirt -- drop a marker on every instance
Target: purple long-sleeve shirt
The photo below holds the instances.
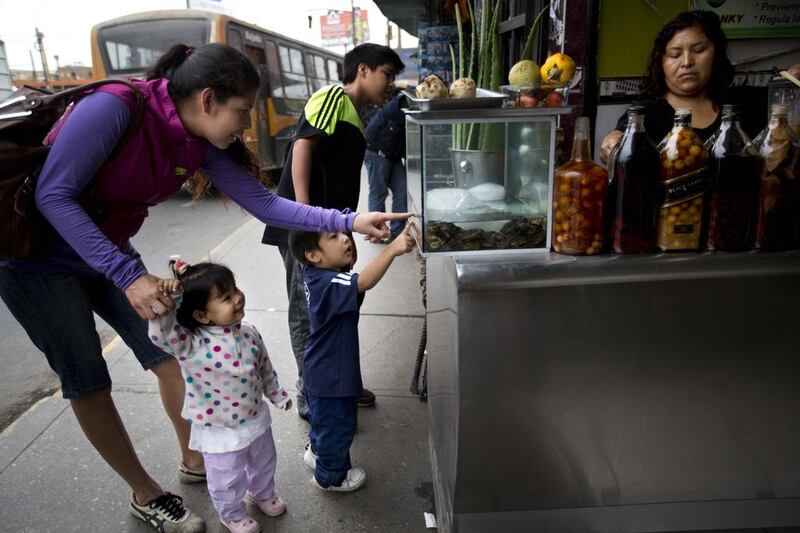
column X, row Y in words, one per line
column 84, row 143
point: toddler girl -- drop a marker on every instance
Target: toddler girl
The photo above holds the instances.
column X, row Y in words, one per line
column 227, row 372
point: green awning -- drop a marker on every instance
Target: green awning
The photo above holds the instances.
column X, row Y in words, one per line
column 405, row 13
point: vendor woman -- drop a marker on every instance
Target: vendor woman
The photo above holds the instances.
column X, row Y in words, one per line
column 689, row 67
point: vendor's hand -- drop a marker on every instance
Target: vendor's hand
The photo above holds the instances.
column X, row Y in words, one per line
column 403, row 243
column 169, row 286
column 608, row 144
column 374, row 224
column 288, row 405
column 146, row 298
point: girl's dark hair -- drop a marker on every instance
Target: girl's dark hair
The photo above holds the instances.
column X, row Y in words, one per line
column 371, row 55
column 301, row 242
column 722, row 70
column 224, row 70
column 198, row 282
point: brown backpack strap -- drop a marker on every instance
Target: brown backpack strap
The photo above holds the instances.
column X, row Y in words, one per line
column 39, row 99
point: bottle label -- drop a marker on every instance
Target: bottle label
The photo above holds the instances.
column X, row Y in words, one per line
column 682, row 188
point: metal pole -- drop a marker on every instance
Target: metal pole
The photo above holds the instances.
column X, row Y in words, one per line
column 33, row 65
column 399, row 36
column 40, row 41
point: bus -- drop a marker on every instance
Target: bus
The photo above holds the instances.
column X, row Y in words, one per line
column 290, row 70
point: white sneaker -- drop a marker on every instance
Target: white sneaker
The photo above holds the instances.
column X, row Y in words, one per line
column 355, row 478
column 167, row 514
column 310, row 458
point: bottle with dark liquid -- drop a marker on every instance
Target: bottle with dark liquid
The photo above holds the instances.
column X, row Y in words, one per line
column 579, row 197
column 635, row 168
column 778, row 210
column 684, row 161
column 734, row 172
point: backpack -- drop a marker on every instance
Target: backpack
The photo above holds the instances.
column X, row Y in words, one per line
column 26, row 116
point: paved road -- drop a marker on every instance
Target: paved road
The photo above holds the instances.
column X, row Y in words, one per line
column 172, row 227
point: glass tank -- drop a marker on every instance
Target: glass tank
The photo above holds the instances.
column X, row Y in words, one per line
column 480, row 179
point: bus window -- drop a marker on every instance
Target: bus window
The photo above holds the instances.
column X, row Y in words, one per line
column 294, row 75
column 235, row 39
column 315, row 67
column 334, row 75
column 133, row 47
column 274, row 70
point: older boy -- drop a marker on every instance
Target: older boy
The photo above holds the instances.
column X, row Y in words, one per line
column 323, row 168
column 331, row 367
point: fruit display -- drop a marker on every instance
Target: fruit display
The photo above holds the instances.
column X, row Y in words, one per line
column 778, row 225
column 579, row 198
column 432, row 87
column 684, row 161
column 558, row 68
column 635, row 171
column 734, row 171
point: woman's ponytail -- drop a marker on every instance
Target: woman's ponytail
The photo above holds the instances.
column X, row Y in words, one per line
column 168, row 63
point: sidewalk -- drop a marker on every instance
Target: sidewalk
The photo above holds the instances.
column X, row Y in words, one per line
column 51, row 479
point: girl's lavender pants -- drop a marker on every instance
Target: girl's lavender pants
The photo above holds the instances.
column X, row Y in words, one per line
column 231, row 474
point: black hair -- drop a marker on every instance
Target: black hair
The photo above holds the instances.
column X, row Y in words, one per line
column 301, row 242
column 224, row 70
column 722, row 70
column 371, row 55
column 198, row 283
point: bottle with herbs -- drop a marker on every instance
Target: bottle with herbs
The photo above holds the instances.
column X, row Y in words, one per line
column 778, row 148
column 679, row 196
column 579, row 197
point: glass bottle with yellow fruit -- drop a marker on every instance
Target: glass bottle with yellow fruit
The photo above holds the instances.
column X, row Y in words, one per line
column 579, row 198
column 679, row 203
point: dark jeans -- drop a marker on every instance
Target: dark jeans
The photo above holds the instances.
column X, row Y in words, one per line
column 56, row 311
column 297, row 316
column 333, row 426
column 385, row 175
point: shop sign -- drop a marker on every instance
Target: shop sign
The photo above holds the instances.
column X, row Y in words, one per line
column 755, row 18
column 337, row 27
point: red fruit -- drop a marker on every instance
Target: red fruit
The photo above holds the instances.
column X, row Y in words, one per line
column 527, row 100
column 554, row 99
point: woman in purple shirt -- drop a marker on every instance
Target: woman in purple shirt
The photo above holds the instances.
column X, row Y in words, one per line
column 196, row 105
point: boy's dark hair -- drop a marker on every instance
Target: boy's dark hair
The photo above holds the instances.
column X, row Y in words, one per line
column 371, row 55
column 301, row 242
column 198, row 281
column 722, row 70
column 219, row 67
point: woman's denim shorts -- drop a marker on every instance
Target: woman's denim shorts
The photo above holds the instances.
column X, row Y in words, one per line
column 56, row 311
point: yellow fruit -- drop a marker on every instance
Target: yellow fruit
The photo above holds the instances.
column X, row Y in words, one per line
column 558, row 68
column 525, row 72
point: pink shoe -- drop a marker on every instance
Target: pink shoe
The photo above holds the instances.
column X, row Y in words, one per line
column 244, row 525
column 274, row 506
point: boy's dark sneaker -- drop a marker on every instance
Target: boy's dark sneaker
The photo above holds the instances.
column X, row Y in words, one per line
column 167, row 514
column 366, row 398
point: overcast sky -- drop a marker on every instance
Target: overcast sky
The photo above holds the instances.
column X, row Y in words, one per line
column 66, row 24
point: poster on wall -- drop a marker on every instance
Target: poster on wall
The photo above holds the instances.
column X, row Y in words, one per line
column 743, row 19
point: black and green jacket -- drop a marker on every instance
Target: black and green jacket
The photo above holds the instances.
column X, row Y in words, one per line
column 336, row 168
